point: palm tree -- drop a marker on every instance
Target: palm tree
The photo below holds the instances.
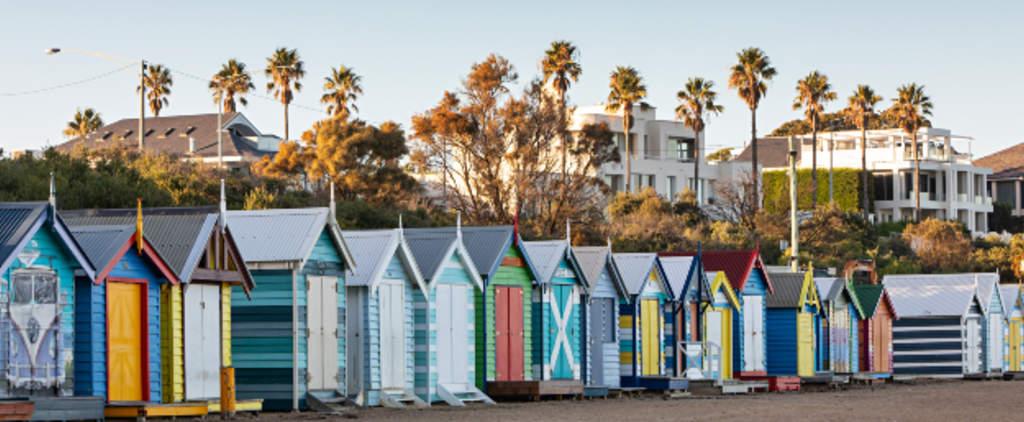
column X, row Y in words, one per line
column 85, row 122
column 697, row 98
column 748, row 78
column 561, row 68
column 626, row 90
column 233, row 80
column 910, row 107
column 284, row 69
column 341, row 90
column 812, row 92
column 158, row 87
column 859, row 111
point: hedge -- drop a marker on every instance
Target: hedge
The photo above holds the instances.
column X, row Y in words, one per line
column 846, row 185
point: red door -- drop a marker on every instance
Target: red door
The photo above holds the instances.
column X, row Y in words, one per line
column 508, row 313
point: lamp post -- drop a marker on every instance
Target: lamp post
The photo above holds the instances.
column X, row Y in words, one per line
column 142, row 83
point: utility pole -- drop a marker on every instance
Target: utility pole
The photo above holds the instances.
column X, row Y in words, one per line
column 220, row 142
column 794, row 234
column 142, row 103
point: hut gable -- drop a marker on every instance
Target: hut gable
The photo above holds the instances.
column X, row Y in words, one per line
column 922, row 296
column 19, row 224
column 108, row 246
column 685, row 275
column 642, row 274
column 285, row 235
column 374, row 252
column 720, row 287
column 794, row 290
column 435, row 251
column 739, row 266
column 596, row 264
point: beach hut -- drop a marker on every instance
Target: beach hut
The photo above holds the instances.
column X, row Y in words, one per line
column 794, row 311
column 382, row 292
column 38, row 261
column 939, row 330
column 605, row 291
column 445, row 364
column 289, row 342
column 647, row 336
column 1013, row 303
column 688, row 282
column 842, row 318
column 751, row 282
column 994, row 324
column 721, row 304
column 874, row 346
column 118, row 315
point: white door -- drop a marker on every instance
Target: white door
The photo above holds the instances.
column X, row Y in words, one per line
column 713, row 364
column 391, row 297
column 452, row 332
column 202, row 341
column 322, row 327
column 972, row 349
column 354, row 338
column 753, row 332
column 995, row 341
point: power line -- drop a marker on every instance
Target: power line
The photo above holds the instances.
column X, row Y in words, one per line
column 66, row 85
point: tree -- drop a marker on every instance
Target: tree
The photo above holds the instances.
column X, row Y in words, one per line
column 812, row 92
column 626, row 90
column 697, row 98
column 230, row 82
column 748, row 78
column 83, row 123
column 285, row 70
column 940, row 246
column 561, row 69
column 158, row 82
column 910, row 107
column 341, row 89
column 722, row 154
column 859, row 111
column 832, row 236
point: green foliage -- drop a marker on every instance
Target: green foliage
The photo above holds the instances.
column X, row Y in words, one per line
column 940, row 246
column 1002, row 219
column 722, row 154
column 259, row 199
column 846, row 184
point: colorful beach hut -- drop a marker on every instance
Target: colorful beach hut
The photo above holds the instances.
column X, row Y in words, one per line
column 874, row 346
column 445, row 336
column 605, row 291
column 994, row 324
column 38, row 261
column 794, row 313
column 289, row 341
column 118, row 315
column 721, row 304
column 688, row 282
column 939, row 330
column 1013, row 303
column 646, row 336
column 839, row 340
column 195, row 315
column 382, row 292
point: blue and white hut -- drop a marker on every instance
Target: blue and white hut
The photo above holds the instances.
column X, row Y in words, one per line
column 645, row 324
column 605, row 292
column 689, row 283
column 839, row 339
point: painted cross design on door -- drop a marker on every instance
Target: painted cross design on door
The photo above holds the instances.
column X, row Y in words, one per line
column 563, row 331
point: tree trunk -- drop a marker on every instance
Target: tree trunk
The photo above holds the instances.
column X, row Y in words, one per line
column 627, row 115
column 917, row 179
column 286, row 122
column 696, row 167
column 814, row 162
column 864, row 168
column 755, row 196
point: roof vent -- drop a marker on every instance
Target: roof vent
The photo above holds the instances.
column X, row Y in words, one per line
column 106, row 135
column 189, row 130
column 168, row 132
column 126, row 134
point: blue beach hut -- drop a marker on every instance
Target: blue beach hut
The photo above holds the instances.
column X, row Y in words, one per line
column 605, row 291
column 794, row 313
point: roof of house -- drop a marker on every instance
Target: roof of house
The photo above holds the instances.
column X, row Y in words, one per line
column 868, row 297
column 1011, row 295
column 1007, row 163
column 737, row 265
column 170, row 135
column 771, row 152
column 544, row 255
column 102, row 243
column 282, row 234
column 634, row 268
column 430, row 248
column 930, row 296
column 486, row 244
column 679, row 270
column 594, row 259
column 19, row 221
column 788, row 287
column 372, row 251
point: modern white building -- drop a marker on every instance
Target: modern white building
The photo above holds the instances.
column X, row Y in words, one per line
column 953, row 187
column 664, row 153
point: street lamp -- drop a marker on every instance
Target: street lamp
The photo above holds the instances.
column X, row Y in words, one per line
column 142, row 84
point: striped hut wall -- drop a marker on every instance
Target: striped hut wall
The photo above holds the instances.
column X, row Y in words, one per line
column 855, row 339
column 425, row 318
column 371, row 348
column 412, row 291
column 261, row 340
column 610, row 351
column 628, row 341
column 928, row 347
column 91, row 339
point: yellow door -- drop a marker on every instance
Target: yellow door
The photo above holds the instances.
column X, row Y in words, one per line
column 125, row 339
column 804, row 344
column 1015, row 343
column 650, row 338
column 726, row 343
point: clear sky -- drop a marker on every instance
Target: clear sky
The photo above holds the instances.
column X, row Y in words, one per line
column 967, row 54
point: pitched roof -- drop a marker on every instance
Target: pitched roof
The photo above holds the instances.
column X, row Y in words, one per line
column 929, row 295
column 771, row 152
column 868, row 296
column 170, row 135
column 1011, row 295
column 1005, row 164
column 280, row 234
column 102, row 243
column 736, row 264
column 486, row 244
column 544, row 256
column 634, row 268
column 594, row 259
column 372, row 251
column 832, row 286
column 788, row 287
column 19, row 221
column 430, row 248
column 679, row 272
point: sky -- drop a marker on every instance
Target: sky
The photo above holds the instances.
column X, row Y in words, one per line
column 967, row 54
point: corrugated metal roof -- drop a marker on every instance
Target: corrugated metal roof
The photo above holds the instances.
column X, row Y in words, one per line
column 372, row 250
column 634, row 268
column 737, row 265
column 429, row 247
column 545, row 255
column 677, row 270
column 278, row 234
column 102, row 243
column 1011, row 294
column 179, row 235
column 826, row 284
column 787, row 290
column 592, row 260
column 486, row 244
column 16, row 220
column 927, row 295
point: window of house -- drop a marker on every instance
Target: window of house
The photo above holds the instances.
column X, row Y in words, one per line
column 883, row 187
column 685, row 149
column 1005, row 193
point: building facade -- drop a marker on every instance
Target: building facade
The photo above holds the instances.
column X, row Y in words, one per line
column 1006, row 183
